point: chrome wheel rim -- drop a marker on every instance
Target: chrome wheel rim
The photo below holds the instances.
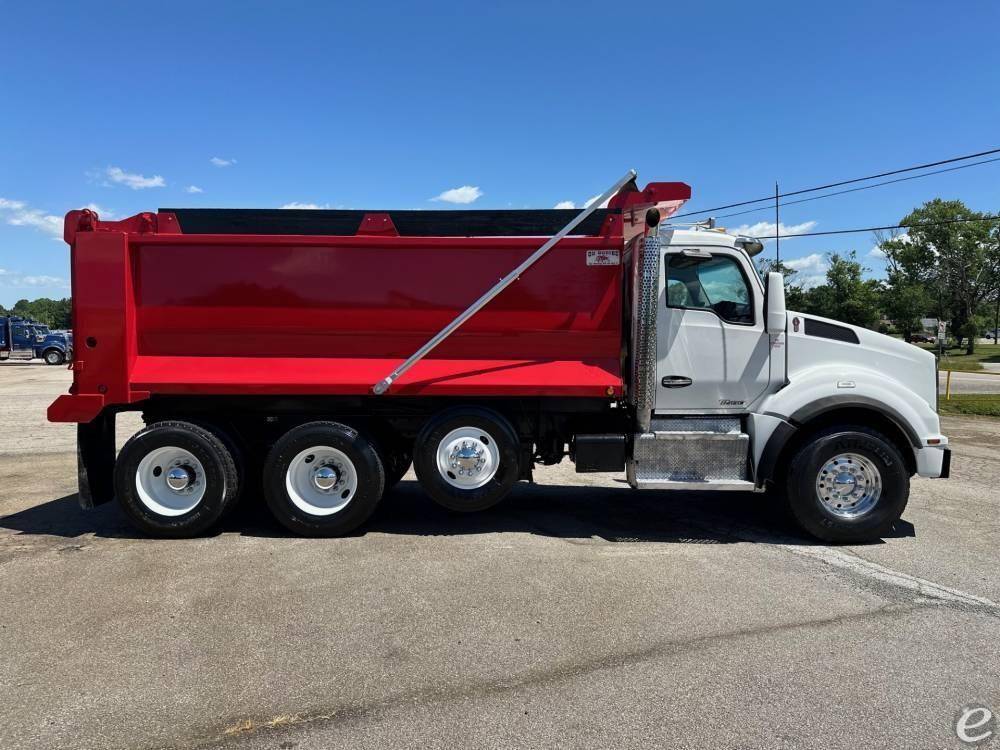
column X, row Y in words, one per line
column 321, row 481
column 170, row 481
column 849, row 485
column 468, row 458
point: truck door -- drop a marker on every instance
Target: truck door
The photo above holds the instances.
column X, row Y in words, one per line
column 713, row 350
column 21, row 338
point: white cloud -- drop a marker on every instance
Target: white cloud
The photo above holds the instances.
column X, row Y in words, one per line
column 220, row 162
column 766, row 229
column 102, row 213
column 193, row 189
column 565, row 204
column 810, row 270
column 464, row 194
column 12, row 279
column 132, row 179
column 877, row 253
column 308, row 206
column 590, row 201
column 20, row 214
column 44, row 281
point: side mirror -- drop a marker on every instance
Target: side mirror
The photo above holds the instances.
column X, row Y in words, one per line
column 776, row 318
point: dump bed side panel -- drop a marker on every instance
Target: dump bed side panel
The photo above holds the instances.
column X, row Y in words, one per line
column 298, row 315
column 382, row 298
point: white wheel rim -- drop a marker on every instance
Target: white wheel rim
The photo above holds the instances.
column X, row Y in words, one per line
column 155, row 492
column 468, row 458
column 310, row 485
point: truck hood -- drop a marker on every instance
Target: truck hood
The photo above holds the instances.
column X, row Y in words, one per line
column 893, row 359
column 60, row 338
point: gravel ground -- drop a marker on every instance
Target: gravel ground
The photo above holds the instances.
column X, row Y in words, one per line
column 577, row 613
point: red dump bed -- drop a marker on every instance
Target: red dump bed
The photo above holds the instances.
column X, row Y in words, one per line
column 204, row 301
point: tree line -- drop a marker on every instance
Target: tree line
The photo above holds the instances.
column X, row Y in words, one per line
column 949, row 271
column 55, row 313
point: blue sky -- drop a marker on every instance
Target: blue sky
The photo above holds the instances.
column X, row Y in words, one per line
column 127, row 106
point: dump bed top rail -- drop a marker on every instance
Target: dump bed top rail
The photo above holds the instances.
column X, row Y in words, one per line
column 500, row 223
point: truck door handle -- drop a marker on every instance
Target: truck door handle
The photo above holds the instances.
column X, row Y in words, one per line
column 675, row 381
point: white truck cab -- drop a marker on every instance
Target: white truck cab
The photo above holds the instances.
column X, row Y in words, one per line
column 742, row 394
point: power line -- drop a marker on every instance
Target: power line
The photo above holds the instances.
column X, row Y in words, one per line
column 864, row 187
column 843, row 182
column 877, row 229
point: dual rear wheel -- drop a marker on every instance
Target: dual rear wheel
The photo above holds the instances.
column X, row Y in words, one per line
column 176, row 479
column 179, row 479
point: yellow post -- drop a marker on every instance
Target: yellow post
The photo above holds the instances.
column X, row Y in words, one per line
column 947, row 387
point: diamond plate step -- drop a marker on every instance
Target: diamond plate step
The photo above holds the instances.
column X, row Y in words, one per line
column 737, row 485
column 699, row 453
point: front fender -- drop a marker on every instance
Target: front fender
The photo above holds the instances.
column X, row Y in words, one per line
column 826, row 389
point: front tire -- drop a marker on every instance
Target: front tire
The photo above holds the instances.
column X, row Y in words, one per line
column 847, row 484
column 175, row 479
column 467, row 459
column 323, row 479
column 53, row 357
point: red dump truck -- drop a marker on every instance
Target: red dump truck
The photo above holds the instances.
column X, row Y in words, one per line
column 314, row 355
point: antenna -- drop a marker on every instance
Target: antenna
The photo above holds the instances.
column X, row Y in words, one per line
column 777, row 227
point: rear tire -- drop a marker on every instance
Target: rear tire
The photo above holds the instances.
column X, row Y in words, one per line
column 847, row 484
column 467, row 459
column 239, row 459
column 323, row 479
column 205, row 480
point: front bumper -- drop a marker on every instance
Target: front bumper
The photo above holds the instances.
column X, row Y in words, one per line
column 933, row 461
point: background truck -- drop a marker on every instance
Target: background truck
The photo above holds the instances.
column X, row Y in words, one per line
column 312, row 355
column 25, row 339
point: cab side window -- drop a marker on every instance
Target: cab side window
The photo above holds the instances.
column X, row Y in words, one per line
column 715, row 284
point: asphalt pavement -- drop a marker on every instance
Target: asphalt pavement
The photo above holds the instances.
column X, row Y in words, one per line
column 970, row 382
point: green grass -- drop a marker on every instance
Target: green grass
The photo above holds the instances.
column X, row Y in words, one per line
column 957, row 359
column 975, row 404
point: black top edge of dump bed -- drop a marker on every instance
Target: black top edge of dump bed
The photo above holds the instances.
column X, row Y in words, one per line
column 501, row 223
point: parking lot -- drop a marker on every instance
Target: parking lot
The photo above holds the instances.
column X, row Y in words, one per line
column 576, row 613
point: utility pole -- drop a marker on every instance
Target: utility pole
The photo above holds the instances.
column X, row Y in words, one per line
column 777, row 228
column 996, row 320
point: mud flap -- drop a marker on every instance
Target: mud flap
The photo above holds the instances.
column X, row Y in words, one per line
column 95, row 460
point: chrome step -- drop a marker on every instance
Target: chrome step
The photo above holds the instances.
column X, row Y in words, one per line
column 696, row 453
column 734, row 485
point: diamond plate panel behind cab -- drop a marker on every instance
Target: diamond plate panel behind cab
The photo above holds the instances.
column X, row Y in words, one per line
column 646, row 293
column 690, row 456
